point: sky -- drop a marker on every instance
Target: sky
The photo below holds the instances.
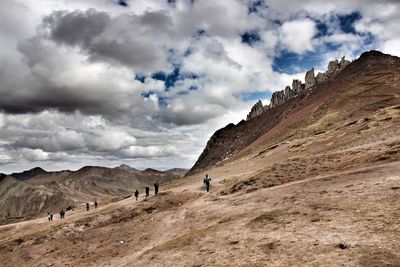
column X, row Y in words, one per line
column 146, row 83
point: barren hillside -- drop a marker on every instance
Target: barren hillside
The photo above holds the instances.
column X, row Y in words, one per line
column 314, row 181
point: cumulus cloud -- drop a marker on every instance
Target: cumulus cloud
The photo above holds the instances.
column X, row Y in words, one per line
column 297, row 35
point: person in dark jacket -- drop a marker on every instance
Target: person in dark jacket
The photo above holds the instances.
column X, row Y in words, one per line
column 87, row 206
column 207, row 182
column 147, row 191
column 136, row 194
column 62, row 214
column 156, row 186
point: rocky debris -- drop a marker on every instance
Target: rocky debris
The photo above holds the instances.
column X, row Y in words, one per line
column 256, row 110
column 310, row 79
column 280, row 97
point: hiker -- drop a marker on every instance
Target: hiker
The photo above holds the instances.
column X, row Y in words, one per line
column 87, row 206
column 136, row 194
column 62, row 214
column 48, row 216
column 95, row 203
column 147, row 191
column 156, row 185
column 207, row 182
column 51, row 216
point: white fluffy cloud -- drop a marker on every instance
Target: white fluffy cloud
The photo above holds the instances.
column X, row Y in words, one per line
column 297, row 35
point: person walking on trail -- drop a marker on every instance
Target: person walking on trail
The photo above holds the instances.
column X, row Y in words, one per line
column 62, row 214
column 51, row 216
column 136, row 194
column 207, row 182
column 48, row 216
column 156, row 186
column 87, row 206
column 95, row 203
column 147, row 191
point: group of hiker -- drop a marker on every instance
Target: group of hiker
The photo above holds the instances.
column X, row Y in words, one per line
column 88, row 206
column 206, row 181
column 147, row 190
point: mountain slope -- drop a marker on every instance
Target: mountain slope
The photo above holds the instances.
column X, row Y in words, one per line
column 317, row 187
column 371, row 82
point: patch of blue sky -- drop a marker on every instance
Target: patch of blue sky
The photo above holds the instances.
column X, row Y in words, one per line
column 255, row 95
column 253, row 7
column 123, row 3
column 291, row 63
column 171, row 78
column 250, row 37
column 347, row 21
column 140, row 77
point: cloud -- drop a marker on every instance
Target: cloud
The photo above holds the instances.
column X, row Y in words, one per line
column 297, row 35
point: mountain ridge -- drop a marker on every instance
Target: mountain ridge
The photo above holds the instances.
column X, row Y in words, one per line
column 226, row 142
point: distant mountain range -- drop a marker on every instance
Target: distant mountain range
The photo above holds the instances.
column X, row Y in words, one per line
column 35, row 192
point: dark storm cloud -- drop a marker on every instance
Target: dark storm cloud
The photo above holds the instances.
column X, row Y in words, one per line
column 120, row 39
column 76, row 28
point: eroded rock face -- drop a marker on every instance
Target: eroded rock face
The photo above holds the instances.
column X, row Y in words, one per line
column 343, row 63
column 310, row 79
column 288, row 92
column 256, row 110
column 296, row 86
column 280, row 97
column 333, row 67
column 321, row 77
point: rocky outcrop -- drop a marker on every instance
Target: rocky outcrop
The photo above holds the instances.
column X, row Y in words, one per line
column 321, row 77
column 310, row 79
column 336, row 66
column 277, row 99
column 280, row 97
column 296, row 86
column 256, row 110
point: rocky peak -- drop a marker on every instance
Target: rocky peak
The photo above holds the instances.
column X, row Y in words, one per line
column 256, row 110
column 310, row 79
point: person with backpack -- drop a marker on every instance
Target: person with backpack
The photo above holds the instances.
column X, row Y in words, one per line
column 207, row 182
column 156, row 186
column 87, row 206
column 147, row 191
column 48, row 216
column 136, row 194
column 95, row 203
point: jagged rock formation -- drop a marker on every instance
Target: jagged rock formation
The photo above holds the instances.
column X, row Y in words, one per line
column 280, row 97
column 256, row 110
column 310, row 78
